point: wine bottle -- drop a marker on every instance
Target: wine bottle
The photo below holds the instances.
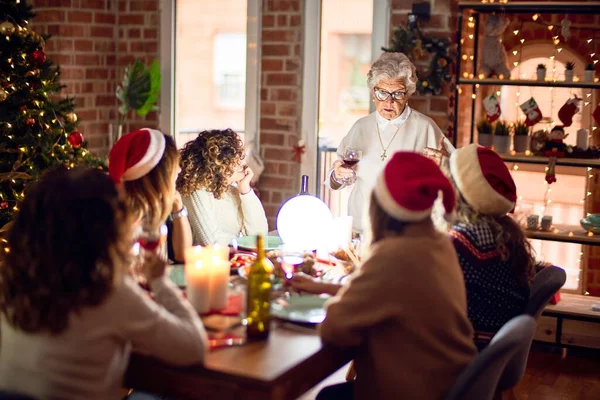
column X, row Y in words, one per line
column 258, row 310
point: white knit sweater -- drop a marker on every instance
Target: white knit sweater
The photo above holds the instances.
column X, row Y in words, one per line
column 219, row 221
column 88, row 360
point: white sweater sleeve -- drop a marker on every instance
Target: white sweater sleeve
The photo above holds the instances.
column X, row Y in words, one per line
column 173, row 333
column 203, row 219
column 255, row 220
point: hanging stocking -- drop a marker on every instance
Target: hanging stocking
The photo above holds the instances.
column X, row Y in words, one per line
column 532, row 112
column 568, row 110
column 492, row 108
column 596, row 114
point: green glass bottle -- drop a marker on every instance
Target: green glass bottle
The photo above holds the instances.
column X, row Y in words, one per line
column 258, row 308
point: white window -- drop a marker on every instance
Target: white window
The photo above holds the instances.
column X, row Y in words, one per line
column 210, row 68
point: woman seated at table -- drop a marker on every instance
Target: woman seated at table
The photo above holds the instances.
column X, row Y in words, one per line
column 405, row 311
column 496, row 258
column 215, row 185
column 69, row 314
column 394, row 126
column 145, row 164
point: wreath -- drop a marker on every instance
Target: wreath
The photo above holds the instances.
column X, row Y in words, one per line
column 412, row 42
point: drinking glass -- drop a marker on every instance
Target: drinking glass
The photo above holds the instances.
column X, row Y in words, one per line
column 149, row 239
column 350, row 158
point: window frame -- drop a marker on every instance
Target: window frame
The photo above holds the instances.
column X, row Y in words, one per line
column 166, row 115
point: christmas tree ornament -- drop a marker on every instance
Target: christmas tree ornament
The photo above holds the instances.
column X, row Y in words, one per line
column 3, row 94
column 30, row 121
column 75, row 139
column 7, row 28
column 23, row 109
column 4, row 205
column 595, row 114
column 568, row 110
column 553, row 149
column 492, row 108
column 71, row 117
column 298, row 151
column 532, row 112
column 33, row 72
column 38, row 57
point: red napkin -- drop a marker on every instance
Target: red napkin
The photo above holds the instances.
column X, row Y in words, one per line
column 220, row 340
column 555, row 299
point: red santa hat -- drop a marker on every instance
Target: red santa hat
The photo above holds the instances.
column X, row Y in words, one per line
column 409, row 185
column 135, row 154
column 483, row 179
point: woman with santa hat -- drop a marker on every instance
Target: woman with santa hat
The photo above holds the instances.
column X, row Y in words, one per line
column 385, row 300
column 145, row 164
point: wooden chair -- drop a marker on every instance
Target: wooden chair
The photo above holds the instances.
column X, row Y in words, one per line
column 480, row 379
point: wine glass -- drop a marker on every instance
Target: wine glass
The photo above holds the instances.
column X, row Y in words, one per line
column 147, row 238
column 350, row 158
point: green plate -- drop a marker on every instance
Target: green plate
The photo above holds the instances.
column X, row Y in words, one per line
column 249, row 243
column 590, row 224
column 177, row 275
column 308, row 309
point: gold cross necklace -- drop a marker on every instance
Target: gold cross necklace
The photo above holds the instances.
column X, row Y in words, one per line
column 384, row 154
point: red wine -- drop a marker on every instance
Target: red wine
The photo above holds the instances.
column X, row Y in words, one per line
column 148, row 244
column 351, row 163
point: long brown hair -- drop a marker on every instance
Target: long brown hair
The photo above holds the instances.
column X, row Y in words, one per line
column 64, row 251
column 511, row 242
column 383, row 224
column 151, row 196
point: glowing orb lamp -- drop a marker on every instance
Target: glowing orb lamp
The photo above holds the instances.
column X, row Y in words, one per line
column 304, row 221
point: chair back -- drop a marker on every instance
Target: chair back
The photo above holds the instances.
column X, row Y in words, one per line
column 480, row 378
column 544, row 285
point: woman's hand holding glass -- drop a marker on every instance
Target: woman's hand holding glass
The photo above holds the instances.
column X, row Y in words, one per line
column 343, row 170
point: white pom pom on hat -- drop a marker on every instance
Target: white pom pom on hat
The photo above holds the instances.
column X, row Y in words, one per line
column 135, row 154
column 409, row 185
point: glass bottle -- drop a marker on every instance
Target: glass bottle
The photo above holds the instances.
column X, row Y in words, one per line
column 258, row 309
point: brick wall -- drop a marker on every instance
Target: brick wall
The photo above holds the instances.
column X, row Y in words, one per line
column 91, row 41
column 280, row 100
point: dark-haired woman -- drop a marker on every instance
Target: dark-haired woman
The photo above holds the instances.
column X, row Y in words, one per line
column 215, row 186
column 405, row 311
column 69, row 313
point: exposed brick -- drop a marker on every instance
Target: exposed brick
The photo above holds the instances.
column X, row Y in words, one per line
column 131, row 19
column 146, row 5
column 267, row 109
column 438, row 104
column 52, row 15
column 87, row 59
column 292, row 65
column 275, row 139
column 80, row 16
column 295, row 20
column 104, row 18
column 283, row 5
column 275, row 50
column 134, row 33
column 83, row 45
column 272, row 65
column 268, row 21
column 278, row 36
column 95, row 4
column 150, row 33
column 277, row 183
column 287, row 110
column 96, row 73
column 282, row 20
column 102, row 31
column 282, row 79
column 283, row 94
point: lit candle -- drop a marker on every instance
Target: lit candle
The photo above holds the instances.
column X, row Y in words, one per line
column 206, row 275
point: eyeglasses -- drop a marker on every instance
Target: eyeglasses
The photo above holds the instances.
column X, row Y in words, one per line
column 383, row 95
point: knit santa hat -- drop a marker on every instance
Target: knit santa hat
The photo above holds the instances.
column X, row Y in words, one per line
column 135, row 154
column 409, row 185
column 483, row 180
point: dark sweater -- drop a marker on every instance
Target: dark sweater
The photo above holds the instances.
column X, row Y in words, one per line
column 494, row 295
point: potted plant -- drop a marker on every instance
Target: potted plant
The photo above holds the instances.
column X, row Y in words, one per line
column 138, row 92
column 521, row 138
column 502, row 137
column 569, row 66
column 541, row 72
column 484, row 130
column 588, row 74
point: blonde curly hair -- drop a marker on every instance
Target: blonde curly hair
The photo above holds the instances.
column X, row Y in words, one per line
column 208, row 162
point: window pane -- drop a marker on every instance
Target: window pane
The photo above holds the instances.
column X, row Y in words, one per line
column 210, row 66
column 346, row 27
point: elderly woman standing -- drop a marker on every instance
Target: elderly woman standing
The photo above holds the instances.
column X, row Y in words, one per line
column 392, row 127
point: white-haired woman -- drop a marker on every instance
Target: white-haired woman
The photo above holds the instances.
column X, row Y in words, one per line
column 392, row 127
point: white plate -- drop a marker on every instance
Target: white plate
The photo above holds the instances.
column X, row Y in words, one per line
column 307, row 309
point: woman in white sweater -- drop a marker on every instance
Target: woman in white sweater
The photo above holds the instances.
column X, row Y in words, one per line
column 215, row 186
column 69, row 313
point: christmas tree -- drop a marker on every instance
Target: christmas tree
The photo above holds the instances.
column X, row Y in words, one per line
column 37, row 127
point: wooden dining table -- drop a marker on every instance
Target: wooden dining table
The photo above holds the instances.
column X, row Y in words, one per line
column 286, row 365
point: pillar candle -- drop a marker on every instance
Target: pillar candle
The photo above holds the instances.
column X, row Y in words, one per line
column 219, row 280
column 207, row 274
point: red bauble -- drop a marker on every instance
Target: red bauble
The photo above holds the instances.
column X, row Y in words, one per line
column 38, row 57
column 75, row 139
column 4, row 205
column 30, row 121
column 23, row 108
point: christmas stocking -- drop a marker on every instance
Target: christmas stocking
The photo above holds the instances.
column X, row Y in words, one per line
column 492, row 108
column 568, row 110
column 532, row 112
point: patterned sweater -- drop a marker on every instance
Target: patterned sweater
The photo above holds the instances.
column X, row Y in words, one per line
column 494, row 295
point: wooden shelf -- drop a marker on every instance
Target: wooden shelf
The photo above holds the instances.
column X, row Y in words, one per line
column 565, row 234
column 526, row 7
column 574, row 305
column 566, row 162
column 528, row 82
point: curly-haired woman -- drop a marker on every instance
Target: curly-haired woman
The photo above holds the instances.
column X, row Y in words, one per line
column 496, row 258
column 69, row 314
column 145, row 164
column 215, row 185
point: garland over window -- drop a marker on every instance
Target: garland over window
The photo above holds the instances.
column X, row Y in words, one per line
column 412, row 42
